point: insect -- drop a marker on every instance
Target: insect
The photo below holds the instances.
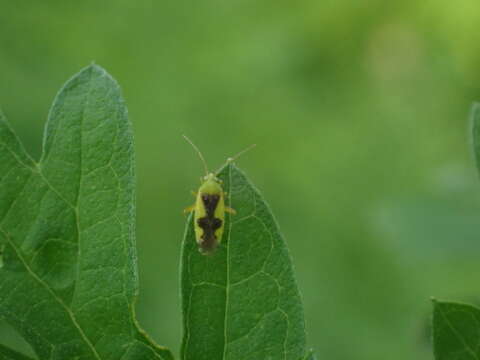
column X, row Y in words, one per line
column 209, row 208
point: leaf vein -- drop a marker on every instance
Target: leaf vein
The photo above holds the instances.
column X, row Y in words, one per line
column 458, row 334
column 55, row 297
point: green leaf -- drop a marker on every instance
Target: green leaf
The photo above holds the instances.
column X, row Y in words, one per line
column 456, row 331
column 475, row 129
column 456, row 327
column 68, row 281
column 310, row 356
column 8, row 354
column 242, row 302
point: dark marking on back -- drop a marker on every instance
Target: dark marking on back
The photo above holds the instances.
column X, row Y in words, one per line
column 209, row 223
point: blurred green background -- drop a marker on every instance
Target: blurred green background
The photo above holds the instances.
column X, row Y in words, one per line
column 359, row 110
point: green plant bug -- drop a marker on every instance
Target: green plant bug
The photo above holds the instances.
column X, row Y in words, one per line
column 209, row 208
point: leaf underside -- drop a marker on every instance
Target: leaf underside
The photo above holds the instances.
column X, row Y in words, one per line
column 242, row 302
column 68, row 281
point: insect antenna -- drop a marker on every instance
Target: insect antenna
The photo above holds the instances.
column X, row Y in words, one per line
column 198, row 152
column 233, row 158
column 230, row 159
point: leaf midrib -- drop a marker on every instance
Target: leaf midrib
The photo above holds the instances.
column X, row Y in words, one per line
column 227, row 285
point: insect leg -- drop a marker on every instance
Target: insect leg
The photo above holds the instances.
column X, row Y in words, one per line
column 230, row 210
column 189, row 209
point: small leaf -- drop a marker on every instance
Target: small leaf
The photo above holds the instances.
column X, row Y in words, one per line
column 456, row 331
column 242, row 302
column 475, row 129
column 8, row 354
column 69, row 280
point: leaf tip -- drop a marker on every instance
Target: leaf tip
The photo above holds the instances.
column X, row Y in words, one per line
column 475, row 106
column 94, row 68
column 92, row 72
column 439, row 303
column 474, row 132
column 311, row 355
column 474, row 116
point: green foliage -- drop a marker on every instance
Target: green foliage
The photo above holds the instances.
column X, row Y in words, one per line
column 68, row 281
column 456, row 331
column 68, row 278
column 310, row 356
column 353, row 105
column 242, row 302
column 456, row 327
column 8, row 354
column 475, row 128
